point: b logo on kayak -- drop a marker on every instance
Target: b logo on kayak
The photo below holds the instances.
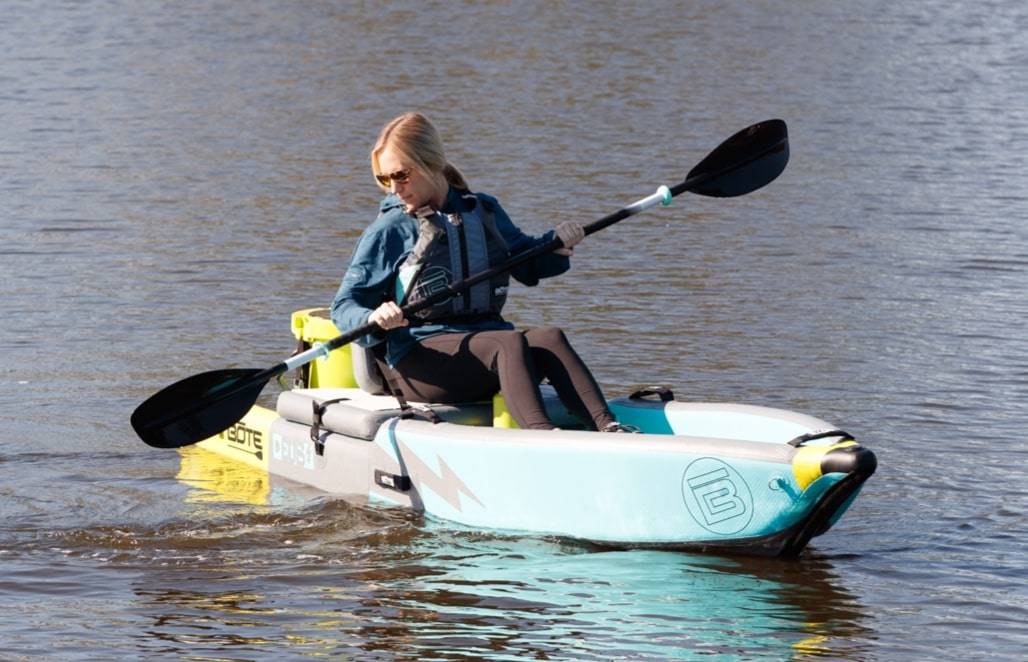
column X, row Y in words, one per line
column 716, row 496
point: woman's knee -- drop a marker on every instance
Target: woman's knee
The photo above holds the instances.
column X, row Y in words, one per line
column 546, row 336
column 507, row 342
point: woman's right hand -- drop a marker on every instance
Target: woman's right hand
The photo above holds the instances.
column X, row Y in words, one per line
column 570, row 233
column 388, row 316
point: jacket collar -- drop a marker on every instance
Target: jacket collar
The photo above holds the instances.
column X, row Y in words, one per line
column 456, row 202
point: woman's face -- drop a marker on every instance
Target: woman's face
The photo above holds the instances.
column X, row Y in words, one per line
column 414, row 187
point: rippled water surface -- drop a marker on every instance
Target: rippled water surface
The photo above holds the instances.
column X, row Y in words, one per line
column 177, row 178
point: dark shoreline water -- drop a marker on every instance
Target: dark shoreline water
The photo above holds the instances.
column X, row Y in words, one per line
column 179, row 178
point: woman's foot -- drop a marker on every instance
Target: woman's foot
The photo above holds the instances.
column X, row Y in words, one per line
column 620, row 427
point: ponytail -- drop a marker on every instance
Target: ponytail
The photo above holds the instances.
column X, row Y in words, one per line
column 454, row 177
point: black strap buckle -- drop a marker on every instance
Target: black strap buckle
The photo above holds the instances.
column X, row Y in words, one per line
column 319, row 411
column 393, row 481
column 420, row 411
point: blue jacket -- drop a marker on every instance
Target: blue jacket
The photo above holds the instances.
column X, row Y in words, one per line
column 370, row 278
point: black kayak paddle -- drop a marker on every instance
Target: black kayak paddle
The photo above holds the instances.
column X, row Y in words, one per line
column 203, row 405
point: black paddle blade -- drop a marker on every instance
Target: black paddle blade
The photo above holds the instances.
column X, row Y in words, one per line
column 197, row 407
column 750, row 159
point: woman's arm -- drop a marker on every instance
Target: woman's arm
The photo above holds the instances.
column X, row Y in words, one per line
column 370, row 276
column 530, row 273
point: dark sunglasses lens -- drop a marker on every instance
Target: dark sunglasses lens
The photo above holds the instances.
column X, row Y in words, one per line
column 400, row 177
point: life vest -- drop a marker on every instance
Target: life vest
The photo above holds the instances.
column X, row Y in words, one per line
column 449, row 248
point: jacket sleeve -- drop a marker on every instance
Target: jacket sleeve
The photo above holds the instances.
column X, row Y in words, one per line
column 532, row 271
column 368, row 279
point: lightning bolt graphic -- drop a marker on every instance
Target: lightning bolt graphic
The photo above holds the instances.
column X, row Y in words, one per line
column 447, row 484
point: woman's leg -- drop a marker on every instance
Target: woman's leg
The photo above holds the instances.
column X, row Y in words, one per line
column 468, row 367
column 557, row 361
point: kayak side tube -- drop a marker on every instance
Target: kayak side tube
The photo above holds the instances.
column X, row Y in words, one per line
column 620, row 490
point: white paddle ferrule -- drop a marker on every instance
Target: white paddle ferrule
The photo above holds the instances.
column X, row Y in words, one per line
column 662, row 196
column 319, row 350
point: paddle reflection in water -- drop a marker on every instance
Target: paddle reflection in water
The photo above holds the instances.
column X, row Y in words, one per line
column 379, row 583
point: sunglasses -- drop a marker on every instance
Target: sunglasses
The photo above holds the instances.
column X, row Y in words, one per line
column 400, row 177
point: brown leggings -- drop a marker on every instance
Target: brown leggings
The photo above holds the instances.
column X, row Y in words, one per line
column 470, row 367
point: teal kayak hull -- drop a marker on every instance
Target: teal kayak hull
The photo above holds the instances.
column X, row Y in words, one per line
column 709, row 477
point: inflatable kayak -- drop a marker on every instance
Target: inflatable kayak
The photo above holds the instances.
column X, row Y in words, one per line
column 699, row 476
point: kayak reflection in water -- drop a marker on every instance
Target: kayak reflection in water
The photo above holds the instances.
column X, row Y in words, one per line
column 431, row 231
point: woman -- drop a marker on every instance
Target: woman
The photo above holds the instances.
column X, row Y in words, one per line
column 431, row 231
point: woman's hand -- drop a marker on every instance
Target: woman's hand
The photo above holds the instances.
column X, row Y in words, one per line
column 570, row 233
column 388, row 316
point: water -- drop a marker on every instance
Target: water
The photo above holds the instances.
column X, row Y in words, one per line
column 178, row 178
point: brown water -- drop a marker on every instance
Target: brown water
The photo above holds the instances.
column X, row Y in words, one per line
column 178, row 177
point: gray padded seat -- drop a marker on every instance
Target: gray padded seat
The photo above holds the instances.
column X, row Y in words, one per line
column 361, row 414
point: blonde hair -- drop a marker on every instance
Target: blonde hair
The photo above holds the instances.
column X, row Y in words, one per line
column 415, row 138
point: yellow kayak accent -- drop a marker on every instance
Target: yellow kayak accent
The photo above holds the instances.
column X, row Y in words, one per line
column 247, row 441
column 806, row 465
column 311, row 326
